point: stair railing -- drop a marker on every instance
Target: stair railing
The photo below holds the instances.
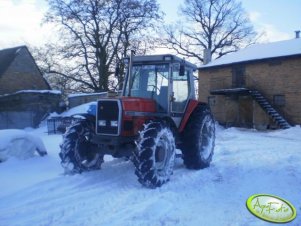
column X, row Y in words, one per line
column 251, row 83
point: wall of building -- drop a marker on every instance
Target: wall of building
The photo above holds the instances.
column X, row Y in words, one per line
column 27, row 109
column 280, row 78
column 22, row 74
column 274, row 77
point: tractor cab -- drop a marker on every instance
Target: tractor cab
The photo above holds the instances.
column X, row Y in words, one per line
column 166, row 79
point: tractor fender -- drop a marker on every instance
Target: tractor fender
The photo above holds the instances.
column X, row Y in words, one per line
column 90, row 115
column 85, row 116
column 192, row 104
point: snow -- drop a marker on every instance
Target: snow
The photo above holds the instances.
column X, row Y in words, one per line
column 18, row 50
column 40, row 91
column 260, row 51
column 86, row 94
column 57, row 92
column 19, row 144
column 81, row 109
column 246, row 162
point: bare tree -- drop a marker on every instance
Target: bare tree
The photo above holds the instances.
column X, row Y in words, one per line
column 94, row 34
column 221, row 26
column 47, row 59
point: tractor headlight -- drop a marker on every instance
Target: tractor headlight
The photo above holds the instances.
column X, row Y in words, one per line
column 114, row 123
column 101, row 122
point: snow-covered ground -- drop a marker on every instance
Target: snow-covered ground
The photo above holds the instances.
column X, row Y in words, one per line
column 246, row 162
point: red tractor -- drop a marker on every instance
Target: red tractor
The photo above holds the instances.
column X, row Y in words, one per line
column 156, row 114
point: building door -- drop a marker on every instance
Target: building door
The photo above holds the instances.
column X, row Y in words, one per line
column 238, row 77
column 245, row 111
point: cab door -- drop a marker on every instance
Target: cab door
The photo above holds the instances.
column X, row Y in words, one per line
column 180, row 95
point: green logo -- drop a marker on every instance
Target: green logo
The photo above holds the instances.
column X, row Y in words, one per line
column 271, row 208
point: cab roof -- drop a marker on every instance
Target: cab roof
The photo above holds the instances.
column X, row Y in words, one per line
column 168, row 58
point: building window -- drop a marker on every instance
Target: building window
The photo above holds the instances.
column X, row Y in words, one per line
column 211, row 101
column 275, row 62
column 279, row 100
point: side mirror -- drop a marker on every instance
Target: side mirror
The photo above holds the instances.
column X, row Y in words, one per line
column 182, row 70
column 117, row 70
column 126, row 60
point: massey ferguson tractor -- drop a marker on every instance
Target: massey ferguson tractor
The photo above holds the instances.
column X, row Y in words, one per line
column 156, row 114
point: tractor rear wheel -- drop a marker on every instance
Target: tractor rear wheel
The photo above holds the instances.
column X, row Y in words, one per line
column 155, row 155
column 199, row 138
column 77, row 152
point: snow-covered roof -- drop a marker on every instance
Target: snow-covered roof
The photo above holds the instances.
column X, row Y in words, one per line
column 259, row 52
column 40, row 91
column 85, row 94
column 57, row 92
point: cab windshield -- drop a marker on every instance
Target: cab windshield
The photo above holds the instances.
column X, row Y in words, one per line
column 150, row 81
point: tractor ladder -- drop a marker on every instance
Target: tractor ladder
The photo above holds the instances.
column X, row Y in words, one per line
column 269, row 109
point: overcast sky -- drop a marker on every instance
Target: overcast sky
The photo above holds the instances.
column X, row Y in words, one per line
column 20, row 20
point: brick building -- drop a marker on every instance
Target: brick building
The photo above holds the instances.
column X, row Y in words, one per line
column 25, row 96
column 259, row 86
column 18, row 71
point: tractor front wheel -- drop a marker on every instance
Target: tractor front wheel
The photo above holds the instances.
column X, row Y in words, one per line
column 155, row 155
column 77, row 152
column 199, row 138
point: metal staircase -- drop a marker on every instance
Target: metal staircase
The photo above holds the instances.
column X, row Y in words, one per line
column 260, row 99
column 269, row 109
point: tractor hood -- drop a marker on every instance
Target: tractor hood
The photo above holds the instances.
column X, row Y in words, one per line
column 123, row 114
column 136, row 104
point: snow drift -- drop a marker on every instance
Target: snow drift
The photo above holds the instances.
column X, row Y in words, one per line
column 19, row 144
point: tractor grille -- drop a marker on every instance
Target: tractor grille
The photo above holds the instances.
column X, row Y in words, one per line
column 108, row 117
